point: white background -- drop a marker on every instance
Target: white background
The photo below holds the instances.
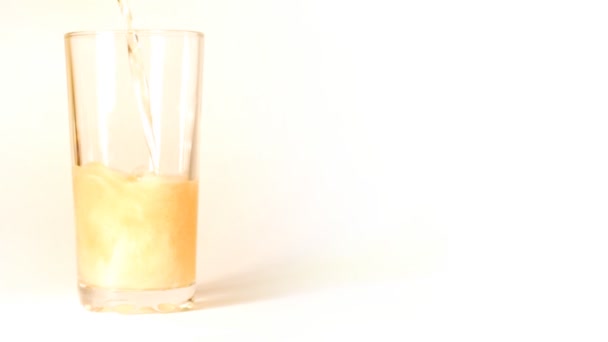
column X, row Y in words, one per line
column 383, row 170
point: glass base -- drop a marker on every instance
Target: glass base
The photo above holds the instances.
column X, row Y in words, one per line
column 136, row 302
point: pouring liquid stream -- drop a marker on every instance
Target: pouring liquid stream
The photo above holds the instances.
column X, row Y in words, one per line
column 140, row 84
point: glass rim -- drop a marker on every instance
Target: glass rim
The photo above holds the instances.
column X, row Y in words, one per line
column 146, row 32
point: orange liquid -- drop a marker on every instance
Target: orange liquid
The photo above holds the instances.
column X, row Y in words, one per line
column 134, row 233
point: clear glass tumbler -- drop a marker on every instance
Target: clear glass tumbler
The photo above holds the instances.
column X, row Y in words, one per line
column 134, row 126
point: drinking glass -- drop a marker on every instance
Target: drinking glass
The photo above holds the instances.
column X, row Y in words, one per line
column 134, row 116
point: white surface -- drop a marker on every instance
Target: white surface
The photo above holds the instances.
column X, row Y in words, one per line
column 421, row 171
